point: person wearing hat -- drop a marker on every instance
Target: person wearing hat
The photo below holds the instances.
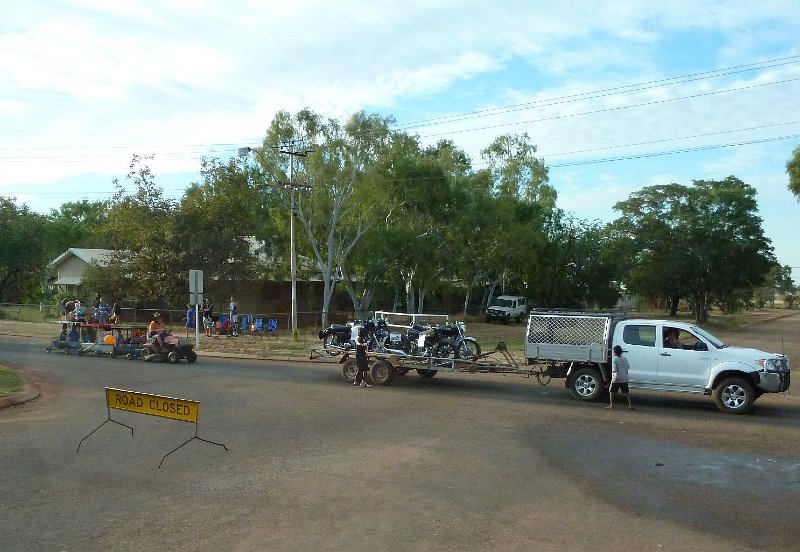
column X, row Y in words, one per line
column 157, row 329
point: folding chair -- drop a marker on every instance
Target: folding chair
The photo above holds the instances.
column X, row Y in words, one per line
column 272, row 327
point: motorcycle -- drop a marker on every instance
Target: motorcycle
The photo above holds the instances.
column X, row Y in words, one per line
column 424, row 341
column 172, row 350
column 466, row 347
column 340, row 337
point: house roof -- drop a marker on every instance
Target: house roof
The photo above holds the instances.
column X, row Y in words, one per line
column 89, row 256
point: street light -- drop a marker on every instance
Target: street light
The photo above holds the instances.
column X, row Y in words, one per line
column 292, row 186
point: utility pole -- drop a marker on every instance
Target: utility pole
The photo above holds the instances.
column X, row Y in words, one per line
column 293, row 148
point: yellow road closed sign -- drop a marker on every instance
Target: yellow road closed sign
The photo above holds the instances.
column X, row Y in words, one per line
column 154, row 405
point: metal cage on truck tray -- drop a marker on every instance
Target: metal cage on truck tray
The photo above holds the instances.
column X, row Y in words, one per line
column 569, row 335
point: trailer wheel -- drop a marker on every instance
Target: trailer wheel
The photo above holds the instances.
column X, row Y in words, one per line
column 381, row 372
column 129, row 356
column 349, row 370
column 426, row 373
column 586, row 384
column 734, row 396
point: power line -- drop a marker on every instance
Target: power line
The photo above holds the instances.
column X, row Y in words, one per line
column 672, row 152
column 638, row 87
column 558, row 100
column 612, row 109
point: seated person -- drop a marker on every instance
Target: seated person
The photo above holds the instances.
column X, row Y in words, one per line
column 157, row 330
column 73, row 334
column 671, row 339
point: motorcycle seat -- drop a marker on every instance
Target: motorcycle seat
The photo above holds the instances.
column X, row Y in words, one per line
column 340, row 327
column 420, row 327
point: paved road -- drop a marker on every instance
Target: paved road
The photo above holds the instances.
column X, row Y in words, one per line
column 458, row 462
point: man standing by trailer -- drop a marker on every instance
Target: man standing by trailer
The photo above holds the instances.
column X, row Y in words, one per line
column 233, row 311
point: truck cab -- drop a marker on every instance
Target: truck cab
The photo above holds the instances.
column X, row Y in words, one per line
column 507, row 307
column 669, row 355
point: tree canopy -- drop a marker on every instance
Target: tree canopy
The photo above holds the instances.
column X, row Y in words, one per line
column 382, row 216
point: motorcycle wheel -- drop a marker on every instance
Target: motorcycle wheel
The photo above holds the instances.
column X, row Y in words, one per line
column 468, row 348
column 328, row 345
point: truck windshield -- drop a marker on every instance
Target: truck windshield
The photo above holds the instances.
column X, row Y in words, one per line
column 503, row 303
column 710, row 338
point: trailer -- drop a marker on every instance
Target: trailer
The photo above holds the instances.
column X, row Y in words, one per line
column 384, row 367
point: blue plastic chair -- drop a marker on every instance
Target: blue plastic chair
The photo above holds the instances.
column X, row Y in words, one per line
column 258, row 327
column 272, row 327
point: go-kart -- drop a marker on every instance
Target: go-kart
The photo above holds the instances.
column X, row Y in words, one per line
column 172, row 350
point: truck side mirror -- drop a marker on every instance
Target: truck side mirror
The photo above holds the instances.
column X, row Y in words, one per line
column 700, row 346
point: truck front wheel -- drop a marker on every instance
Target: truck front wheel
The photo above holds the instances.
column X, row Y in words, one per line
column 734, row 396
column 586, row 384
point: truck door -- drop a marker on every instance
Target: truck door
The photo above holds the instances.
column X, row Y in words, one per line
column 639, row 346
column 684, row 361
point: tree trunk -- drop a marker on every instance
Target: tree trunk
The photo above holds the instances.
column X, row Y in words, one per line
column 673, row 306
column 421, row 300
column 492, row 288
column 410, row 297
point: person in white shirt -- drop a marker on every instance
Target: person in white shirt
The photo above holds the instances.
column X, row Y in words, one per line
column 619, row 378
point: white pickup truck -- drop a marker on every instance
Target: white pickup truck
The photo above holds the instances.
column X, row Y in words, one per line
column 664, row 355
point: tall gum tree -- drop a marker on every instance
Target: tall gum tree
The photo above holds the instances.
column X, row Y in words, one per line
column 335, row 214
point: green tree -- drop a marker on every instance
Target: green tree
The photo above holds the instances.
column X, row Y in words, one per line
column 793, row 170
column 80, row 224
column 339, row 168
column 142, row 233
column 216, row 223
column 704, row 242
column 24, row 252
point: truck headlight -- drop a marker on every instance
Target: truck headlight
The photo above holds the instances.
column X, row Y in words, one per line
column 770, row 365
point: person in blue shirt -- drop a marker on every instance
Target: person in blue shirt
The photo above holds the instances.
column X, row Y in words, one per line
column 189, row 318
column 103, row 312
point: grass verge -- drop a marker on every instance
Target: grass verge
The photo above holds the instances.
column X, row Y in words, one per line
column 10, row 382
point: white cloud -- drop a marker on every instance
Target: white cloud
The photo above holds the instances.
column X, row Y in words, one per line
column 178, row 77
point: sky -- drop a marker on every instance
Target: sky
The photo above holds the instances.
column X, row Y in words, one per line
column 616, row 95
